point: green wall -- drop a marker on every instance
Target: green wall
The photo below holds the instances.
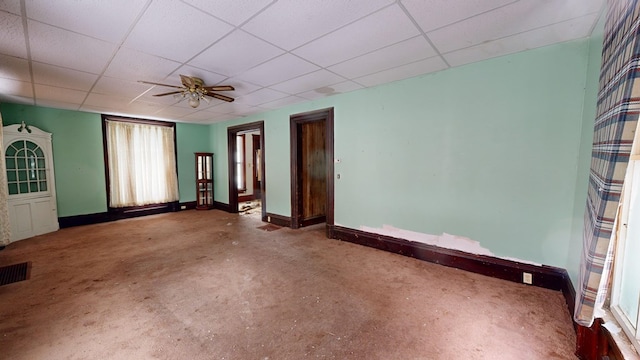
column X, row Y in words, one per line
column 488, row 151
column 77, row 154
column 190, row 138
column 79, row 160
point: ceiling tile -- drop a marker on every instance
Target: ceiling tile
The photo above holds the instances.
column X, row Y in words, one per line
column 520, row 42
column 57, row 104
column 280, row 69
column 173, row 112
column 361, row 37
column 235, row 53
column 289, row 100
column 402, row 53
column 15, row 68
column 233, row 11
column 433, row 14
column 241, row 87
column 15, row 88
column 260, row 97
column 202, row 116
column 403, row 72
column 223, row 117
column 46, row 74
column 209, row 78
column 143, row 107
column 291, row 23
column 12, row 6
column 55, row 46
column 114, row 102
column 167, row 29
column 134, row 65
column 505, row 21
column 59, row 94
column 105, row 20
column 126, row 88
column 314, row 80
column 339, row 88
column 12, row 35
column 235, row 106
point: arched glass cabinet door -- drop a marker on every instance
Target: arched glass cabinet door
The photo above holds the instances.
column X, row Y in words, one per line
column 26, row 168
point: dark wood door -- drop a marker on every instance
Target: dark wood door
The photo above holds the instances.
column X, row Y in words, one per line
column 313, row 177
column 312, row 186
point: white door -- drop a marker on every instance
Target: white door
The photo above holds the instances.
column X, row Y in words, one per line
column 30, row 181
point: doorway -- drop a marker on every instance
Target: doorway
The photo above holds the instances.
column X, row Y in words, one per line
column 312, row 185
column 245, row 148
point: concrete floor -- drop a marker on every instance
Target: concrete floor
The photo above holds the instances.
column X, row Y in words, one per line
column 211, row 285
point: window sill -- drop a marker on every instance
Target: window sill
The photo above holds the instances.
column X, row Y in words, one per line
column 618, row 336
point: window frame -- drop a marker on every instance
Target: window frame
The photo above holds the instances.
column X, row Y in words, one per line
column 619, row 236
column 132, row 211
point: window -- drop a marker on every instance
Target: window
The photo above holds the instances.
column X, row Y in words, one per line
column 241, row 175
column 625, row 296
column 141, row 163
column 26, row 168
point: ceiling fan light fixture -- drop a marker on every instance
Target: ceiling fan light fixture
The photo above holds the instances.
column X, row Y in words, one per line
column 194, row 90
column 194, row 102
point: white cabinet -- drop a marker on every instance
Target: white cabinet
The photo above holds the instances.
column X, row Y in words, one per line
column 30, row 181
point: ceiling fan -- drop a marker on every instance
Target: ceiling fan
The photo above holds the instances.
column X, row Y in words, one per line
column 193, row 88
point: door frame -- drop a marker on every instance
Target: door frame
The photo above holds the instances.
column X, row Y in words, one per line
column 232, row 132
column 296, row 174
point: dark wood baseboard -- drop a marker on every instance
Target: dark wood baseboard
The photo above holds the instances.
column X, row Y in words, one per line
column 85, row 219
column 313, row 221
column 189, row 205
column 277, row 220
column 221, row 206
column 97, row 218
column 543, row 276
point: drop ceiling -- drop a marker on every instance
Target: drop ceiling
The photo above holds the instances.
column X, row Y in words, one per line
column 88, row 55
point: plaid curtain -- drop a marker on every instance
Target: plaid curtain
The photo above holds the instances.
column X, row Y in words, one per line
column 615, row 125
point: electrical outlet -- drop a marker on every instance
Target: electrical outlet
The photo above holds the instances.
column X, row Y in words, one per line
column 182, row 207
column 527, row 278
column 268, row 218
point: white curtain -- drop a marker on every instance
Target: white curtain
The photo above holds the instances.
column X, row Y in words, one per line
column 142, row 164
column 5, row 226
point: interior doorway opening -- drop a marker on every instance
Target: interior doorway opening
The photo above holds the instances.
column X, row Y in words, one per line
column 246, row 169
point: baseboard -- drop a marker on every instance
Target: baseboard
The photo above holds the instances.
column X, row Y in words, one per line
column 85, row 219
column 189, row 205
column 543, row 276
column 102, row 217
column 221, row 206
column 277, row 220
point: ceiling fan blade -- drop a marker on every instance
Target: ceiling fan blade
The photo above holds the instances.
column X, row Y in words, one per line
column 155, row 83
column 221, row 97
column 169, row 93
column 187, row 81
column 219, row 88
